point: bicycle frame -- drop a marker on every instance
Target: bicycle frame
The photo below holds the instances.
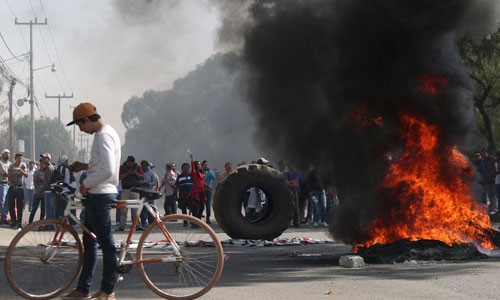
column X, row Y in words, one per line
column 133, row 204
column 182, row 271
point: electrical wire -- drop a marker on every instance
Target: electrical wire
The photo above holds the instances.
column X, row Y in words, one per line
column 7, row 46
column 55, row 48
column 10, row 8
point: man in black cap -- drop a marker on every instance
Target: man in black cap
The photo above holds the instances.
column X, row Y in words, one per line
column 131, row 175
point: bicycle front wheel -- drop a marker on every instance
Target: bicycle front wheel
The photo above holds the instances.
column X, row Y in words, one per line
column 43, row 259
column 188, row 274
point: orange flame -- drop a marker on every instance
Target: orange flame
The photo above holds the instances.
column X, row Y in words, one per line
column 427, row 194
column 433, row 84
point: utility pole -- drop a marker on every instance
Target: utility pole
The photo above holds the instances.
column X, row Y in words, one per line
column 59, row 97
column 32, row 101
column 11, row 129
column 82, row 150
column 74, row 134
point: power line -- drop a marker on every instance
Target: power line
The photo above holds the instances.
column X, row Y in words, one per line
column 10, row 8
column 7, row 46
column 57, row 52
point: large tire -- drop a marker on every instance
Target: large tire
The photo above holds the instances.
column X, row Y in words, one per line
column 228, row 203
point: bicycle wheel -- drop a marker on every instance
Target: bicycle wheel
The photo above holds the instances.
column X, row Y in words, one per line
column 186, row 276
column 35, row 268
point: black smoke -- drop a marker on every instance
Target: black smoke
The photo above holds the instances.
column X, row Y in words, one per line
column 323, row 71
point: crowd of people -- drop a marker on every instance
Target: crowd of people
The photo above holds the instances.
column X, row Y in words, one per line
column 188, row 191
column 22, row 185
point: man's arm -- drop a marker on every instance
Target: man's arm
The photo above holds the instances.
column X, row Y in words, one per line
column 78, row 166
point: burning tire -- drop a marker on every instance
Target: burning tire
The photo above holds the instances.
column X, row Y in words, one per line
column 234, row 212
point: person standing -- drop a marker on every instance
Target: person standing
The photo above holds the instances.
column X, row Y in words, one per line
column 228, row 169
column 29, row 185
column 197, row 196
column 39, row 200
column 293, row 177
column 168, row 185
column 210, row 181
column 130, row 175
column 183, row 187
column 4, row 184
column 99, row 186
column 318, row 195
column 488, row 180
column 15, row 194
column 62, row 174
column 49, row 196
column 150, row 183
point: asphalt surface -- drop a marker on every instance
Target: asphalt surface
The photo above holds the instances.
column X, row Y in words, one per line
column 312, row 271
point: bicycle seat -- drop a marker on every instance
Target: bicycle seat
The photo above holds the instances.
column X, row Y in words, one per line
column 59, row 186
column 151, row 195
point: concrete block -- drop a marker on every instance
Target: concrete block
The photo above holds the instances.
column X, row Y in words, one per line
column 351, row 261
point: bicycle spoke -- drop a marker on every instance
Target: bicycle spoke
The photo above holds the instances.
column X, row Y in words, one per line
column 35, row 268
column 194, row 272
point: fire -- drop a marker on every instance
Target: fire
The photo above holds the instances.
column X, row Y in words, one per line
column 432, row 84
column 427, row 194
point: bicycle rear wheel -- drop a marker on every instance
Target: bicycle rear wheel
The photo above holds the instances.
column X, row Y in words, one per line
column 37, row 269
column 187, row 276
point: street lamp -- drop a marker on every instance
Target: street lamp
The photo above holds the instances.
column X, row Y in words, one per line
column 52, row 66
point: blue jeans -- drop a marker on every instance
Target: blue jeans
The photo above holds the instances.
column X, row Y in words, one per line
column 147, row 218
column 170, row 206
column 4, row 207
column 29, row 197
column 98, row 220
column 50, row 211
column 319, row 206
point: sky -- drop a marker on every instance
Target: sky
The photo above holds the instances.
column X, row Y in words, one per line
column 104, row 51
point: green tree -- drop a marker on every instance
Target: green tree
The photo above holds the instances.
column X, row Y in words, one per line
column 483, row 60
column 204, row 112
column 46, row 140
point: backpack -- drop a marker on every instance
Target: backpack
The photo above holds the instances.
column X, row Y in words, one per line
column 58, row 174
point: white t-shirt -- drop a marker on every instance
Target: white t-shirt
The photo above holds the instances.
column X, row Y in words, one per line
column 104, row 164
column 29, row 183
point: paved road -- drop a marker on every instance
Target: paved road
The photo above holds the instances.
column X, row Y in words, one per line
column 312, row 272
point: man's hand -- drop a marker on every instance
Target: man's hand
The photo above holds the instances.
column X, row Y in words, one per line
column 83, row 190
column 77, row 166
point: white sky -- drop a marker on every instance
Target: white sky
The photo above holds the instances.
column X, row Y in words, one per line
column 106, row 58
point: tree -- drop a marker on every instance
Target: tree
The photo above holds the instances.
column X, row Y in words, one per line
column 483, row 60
column 204, row 112
column 46, row 141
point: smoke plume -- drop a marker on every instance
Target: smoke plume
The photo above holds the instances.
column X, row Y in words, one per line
column 330, row 78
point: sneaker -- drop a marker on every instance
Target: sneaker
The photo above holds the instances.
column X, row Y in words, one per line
column 103, row 296
column 324, row 224
column 185, row 224
column 315, row 224
column 120, row 229
column 208, row 222
column 13, row 225
column 75, row 295
column 139, row 228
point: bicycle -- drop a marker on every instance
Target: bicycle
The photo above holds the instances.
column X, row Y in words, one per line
column 174, row 260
